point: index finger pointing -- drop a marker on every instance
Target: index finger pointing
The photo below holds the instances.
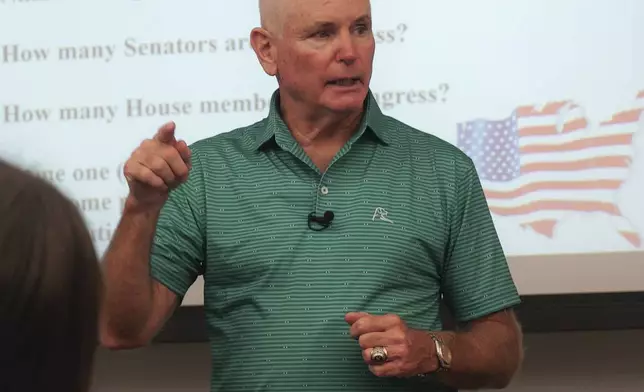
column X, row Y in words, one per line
column 165, row 134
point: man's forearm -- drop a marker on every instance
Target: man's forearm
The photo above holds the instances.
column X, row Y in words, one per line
column 485, row 356
column 128, row 298
column 480, row 361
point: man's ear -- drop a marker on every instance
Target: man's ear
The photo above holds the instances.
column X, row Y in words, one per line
column 262, row 43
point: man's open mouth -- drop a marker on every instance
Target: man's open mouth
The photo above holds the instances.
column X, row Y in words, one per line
column 344, row 82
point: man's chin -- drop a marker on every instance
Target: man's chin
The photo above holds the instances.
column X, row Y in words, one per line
column 350, row 100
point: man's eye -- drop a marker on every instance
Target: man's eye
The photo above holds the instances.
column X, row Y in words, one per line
column 361, row 29
column 322, row 34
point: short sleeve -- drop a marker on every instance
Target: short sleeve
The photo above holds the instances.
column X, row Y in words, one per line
column 177, row 254
column 476, row 277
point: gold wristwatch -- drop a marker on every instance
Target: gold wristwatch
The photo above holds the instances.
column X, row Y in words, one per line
column 443, row 353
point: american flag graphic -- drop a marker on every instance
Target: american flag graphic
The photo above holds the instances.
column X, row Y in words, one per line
column 542, row 163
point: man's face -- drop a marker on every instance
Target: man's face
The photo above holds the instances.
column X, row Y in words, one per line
column 325, row 55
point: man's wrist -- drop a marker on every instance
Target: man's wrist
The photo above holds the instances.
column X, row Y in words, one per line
column 131, row 206
column 429, row 363
column 432, row 363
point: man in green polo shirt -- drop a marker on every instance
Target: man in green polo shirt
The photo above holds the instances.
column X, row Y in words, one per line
column 327, row 233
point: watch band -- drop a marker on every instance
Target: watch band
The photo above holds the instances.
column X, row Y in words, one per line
column 443, row 364
column 443, row 360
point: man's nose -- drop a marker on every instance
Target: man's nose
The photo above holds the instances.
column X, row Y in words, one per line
column 346, row 49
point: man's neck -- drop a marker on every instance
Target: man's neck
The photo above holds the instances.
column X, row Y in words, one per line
column 324, row 128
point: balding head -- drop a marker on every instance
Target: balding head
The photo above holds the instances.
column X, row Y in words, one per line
column 271, row 14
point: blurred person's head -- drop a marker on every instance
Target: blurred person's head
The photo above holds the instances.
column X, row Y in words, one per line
column 50, row 288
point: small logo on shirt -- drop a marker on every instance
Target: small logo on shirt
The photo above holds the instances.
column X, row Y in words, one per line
column 381, row 214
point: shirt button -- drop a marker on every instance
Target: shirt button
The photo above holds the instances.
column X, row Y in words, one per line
column 324, row 190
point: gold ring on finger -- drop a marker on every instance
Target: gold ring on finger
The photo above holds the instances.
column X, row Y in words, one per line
column 379, row 354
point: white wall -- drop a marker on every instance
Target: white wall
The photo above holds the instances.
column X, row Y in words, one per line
column 562, row 362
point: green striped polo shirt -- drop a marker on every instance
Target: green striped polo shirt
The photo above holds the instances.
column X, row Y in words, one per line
column 411, row 226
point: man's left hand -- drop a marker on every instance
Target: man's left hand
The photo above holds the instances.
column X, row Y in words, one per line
column 409, row 352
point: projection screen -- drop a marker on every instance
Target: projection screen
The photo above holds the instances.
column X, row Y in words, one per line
column 545, row 96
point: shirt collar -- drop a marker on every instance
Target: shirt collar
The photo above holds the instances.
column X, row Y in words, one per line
column 275, row 130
